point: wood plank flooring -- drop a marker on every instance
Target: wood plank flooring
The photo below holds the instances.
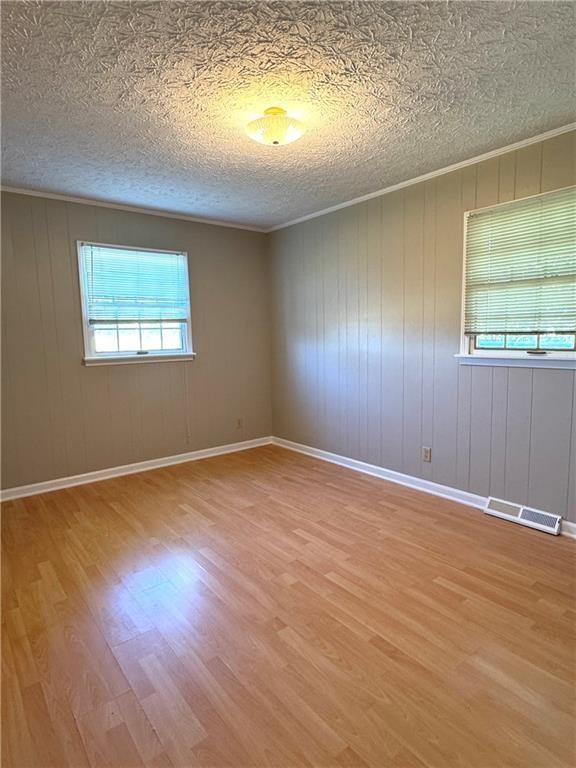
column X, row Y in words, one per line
column 268, row 609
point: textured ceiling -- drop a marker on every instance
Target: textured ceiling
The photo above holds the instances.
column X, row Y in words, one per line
column 145, row 103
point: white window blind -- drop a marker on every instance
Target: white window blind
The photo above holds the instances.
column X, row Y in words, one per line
column 521, row 266
column 135, row 304
column 130, row 285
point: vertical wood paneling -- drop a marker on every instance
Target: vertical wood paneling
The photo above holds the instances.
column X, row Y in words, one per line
column 507, row 177
column 559, row 162
column 499, row 432
column 571, row 493
column 390, row 383
column 413, row 328
column 518, row 430
column 332, row 319
column 61, row 418
column 49, row 337
column 429, row 313
column 363, row 333
column 286, row 355
column 69, row 333
column 316, row 321
column 351, row 358
column 464, row 418
column 550, row 429
column 280, row 264
column 11, row 439
column 27, row 366
column 492, row 180
column 373, row 237
column 488, row 182
column 469, row 194
column 83, row 225
column 391, row 425
column 449, row 233
column 342, row 258
column 480, row 429
column 312, row 330
column 366, row 305
column 528, row 171
column 354, row 338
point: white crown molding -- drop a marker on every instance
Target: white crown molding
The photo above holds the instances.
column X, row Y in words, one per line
column 417, row 483
column 371, row 195
column 432, row 175
column 129, row 208
column 128, row 469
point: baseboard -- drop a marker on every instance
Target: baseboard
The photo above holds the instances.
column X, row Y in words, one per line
column 417, row 483
column 128, row 469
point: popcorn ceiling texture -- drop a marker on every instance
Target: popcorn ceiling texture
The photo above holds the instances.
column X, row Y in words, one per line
column 145, row 103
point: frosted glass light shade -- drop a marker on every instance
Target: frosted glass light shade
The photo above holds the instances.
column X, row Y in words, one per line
column 275, row 128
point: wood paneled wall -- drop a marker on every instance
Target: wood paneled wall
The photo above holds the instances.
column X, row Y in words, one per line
column 61, row 418
column 367, row 303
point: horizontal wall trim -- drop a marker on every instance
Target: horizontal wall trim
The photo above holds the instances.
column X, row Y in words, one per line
column 409, row 481
column 252, row 228
column 416, row 483
column 129, row 208
column 128, row 469
column 568, row 364
column 136, row 359
column 431, row 175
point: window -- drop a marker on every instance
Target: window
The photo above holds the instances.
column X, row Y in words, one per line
column 520, row 278
column 135, row 304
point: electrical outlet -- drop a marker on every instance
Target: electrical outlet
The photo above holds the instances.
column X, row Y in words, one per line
column 240, row 423
column 426, row 453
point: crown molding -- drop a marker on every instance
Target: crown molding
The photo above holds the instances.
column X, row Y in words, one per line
column 370, row 196
column 432, row 175
column 130, row 208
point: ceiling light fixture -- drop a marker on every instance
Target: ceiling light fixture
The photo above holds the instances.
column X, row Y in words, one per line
column 275, row 128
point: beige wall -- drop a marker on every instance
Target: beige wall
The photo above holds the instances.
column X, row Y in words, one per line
column 366, row 315
column 61, row 418
column 366, row 305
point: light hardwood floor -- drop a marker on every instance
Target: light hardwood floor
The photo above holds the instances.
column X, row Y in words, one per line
column 268, row 609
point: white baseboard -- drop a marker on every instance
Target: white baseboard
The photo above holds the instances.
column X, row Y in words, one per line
column 417, row 483
column 128, row 469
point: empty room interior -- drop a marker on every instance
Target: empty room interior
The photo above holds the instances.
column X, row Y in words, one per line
column 288, row 366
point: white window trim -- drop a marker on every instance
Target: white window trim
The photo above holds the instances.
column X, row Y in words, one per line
column 507, row 360
column 130, row 359
column 505, row 357
column 93, row 358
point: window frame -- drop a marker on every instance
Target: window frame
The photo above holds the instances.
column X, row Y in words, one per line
column 91, row 357
column 468, row 354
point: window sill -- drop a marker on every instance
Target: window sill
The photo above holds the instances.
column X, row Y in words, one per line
column 518, row 362
column 131, row 359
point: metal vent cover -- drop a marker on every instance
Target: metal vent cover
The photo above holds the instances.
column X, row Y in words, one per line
column 497, row 505
column 516, row 513
column 542, row 518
